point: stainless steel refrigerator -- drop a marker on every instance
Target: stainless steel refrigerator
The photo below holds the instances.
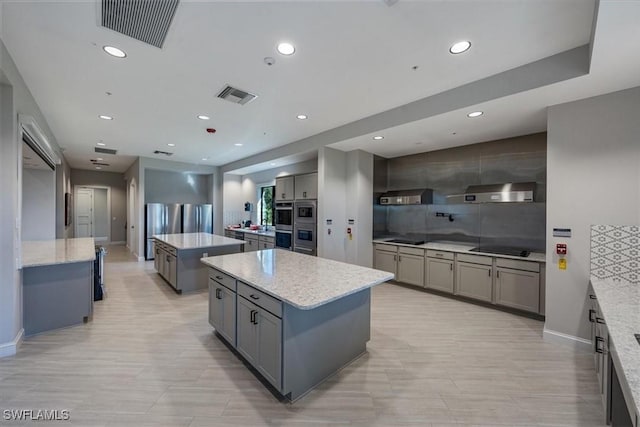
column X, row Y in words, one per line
column 161, row 219
column 197, row 218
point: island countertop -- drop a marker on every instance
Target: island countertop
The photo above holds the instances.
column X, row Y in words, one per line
column 60, row 251
column 619, row 302
column 196, row 240
column 304, row 281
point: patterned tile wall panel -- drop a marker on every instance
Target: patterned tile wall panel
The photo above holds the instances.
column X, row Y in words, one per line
column 615, row 252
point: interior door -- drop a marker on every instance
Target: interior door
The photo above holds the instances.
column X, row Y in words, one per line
column 84, row 212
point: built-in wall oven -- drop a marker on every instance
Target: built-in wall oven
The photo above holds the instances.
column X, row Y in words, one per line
column 305, row 212
column 284, row 216
column 283, row 240
column 305, row 238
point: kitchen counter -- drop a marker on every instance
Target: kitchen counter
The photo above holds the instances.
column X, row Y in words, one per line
column 270, row 233
column 464, row 248
column 59, row 251
column 196, row 240
column 303, row 281
column 619, row 302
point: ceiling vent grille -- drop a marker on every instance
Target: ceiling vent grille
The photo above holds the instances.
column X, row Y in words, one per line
column 144, row 20
column 99, row 164
column 105, row 150
column 237, row 96
column 166, row 153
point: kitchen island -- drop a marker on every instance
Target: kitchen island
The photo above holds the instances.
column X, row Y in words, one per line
column 177, row 257
column 296, row 319
column 57, row 283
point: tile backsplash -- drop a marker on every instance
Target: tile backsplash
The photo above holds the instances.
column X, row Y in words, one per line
column 615, row 252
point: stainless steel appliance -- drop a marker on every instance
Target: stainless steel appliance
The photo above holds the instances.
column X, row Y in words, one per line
column 512, row 192
column 284, row 216
column 283, row 240
column 197, row 218
column 305, row 212
column 418, row 196
column 305, row 238
column 161, row 219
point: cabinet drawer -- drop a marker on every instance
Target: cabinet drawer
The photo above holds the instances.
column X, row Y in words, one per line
column 171, row 250
column 386, row 248
column 440, row 254
column 261, row 299
column 518, row 265
column 222, row 278
column 410, row 251
column 475, row 259
column 267, row 239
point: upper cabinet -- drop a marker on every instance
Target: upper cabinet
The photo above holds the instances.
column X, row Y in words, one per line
column 284, row 188
column 306, row 186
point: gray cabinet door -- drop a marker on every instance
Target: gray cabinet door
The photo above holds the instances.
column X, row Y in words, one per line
column 222, row 311
column 270, row 347
column 267, row 245
column 156, row 258
column 474, row 281
column 215, row 305
column 164, row 263
column 173, row 270
column 251, row 244
column 385, row 261
column 247, row 332
column 439, row 274
column 306, row 186
column 284, row 188
column 518, row 289
column 411, row 269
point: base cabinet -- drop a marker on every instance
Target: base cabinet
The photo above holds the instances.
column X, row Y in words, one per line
column 439, row 274
column 222, row 310
column 411, row 269
column 474, row 281
column 518, row 289
column 386, row 258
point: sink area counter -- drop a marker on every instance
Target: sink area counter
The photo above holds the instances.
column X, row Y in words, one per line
column 59, row 251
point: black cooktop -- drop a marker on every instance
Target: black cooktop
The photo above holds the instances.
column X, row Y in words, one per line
column 406, row 241
column 502, row 250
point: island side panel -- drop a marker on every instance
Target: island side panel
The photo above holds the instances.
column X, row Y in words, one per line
column 55, row 296
column 193, row 274
column 318, row 342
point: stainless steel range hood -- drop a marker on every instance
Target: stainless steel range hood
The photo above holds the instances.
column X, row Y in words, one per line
column 419, row 196
column 513, row 192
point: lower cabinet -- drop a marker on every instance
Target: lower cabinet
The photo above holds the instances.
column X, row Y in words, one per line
column 439, row 273
column 518, row 289
column 172, row 270
column 259, row 340
column 475, row 277
column 251, row 243
column 266, row 242
column 411, row 266
column 222, row 310
column 385, row 258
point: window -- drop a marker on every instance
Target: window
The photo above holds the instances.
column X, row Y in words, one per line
column 266, row 205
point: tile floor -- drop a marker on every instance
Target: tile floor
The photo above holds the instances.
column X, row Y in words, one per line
column 149, row 358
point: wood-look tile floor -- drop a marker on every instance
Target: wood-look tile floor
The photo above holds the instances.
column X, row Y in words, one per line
column 150, row 358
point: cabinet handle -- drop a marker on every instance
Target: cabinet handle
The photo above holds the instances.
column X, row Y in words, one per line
column 600, row 320
column 168, row 260
column 592, row 313
column 591, row 296
column 254, row 297
column 598, row 348
column 283, row 195
column 219, row 277
column 218, row 293
column 399, row 258
column 254, row 318
column 439, row 255
column 489, row 273
column 451, row 267
column 304, row 194
column 498, row 274
column 395, row 258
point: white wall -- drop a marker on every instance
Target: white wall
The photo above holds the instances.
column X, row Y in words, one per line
column 593, row 177
column 38, row 204
column 233, row 199
column 359, row 196
column 332, row 201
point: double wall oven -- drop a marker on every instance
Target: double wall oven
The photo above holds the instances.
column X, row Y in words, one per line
column 284, row 225
column 305, row 227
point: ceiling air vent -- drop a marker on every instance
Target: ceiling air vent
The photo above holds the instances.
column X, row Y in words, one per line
column 237, row 96
column 105, row 150
column 99, row 164
column 144, row 20
column 166, row 153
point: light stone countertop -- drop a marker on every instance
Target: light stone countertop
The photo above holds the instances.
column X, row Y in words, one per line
column 464, row 248
column 196, row 240
column 270, row 233
column 304, row 281
column 37, row 253
column 620, row 305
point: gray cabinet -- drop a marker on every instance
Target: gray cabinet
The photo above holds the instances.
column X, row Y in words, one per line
column 251, row 243
column 285, row 188
column 411, row 266
column 474, row 281
column 172, row 270
column 439, row 271
column 306, row 186
column 247, row 333
column 266, row 242
column 518, row 284
column 222, row 310
column 386, row 258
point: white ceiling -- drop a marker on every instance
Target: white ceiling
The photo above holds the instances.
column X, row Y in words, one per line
column 353, row 59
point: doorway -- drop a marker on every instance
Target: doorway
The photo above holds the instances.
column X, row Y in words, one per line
column 92, row 213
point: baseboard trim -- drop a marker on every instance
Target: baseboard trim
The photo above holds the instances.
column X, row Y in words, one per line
column 11, row 348
column 141, row 258
column 560, row 338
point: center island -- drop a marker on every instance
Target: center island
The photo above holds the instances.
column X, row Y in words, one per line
column 297, row 319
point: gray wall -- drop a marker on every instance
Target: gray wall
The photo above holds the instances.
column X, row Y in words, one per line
column 449, row 172
column 38, row 204
column 118, row 188
column 594, row 178
column 176, row 187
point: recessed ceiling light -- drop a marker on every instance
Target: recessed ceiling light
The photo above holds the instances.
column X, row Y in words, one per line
column 114, row 51
column 98, row 167
column 103, row 117
column 378, row 137
column 238, row 144
column 302, row 117
column 203, row 117
column 171, row 145
column 460, row 47
column 101, row 144
column 475, row 114
column 99, row 158
column 286, row 48
column 205, row 158
column 272, row 164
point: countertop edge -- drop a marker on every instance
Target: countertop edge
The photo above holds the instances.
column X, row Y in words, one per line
column 54, row 263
